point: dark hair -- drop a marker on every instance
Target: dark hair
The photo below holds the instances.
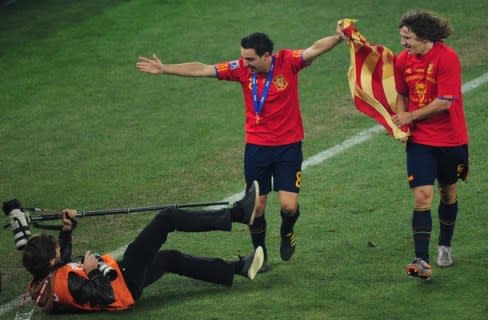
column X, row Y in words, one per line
column 258, row 41
column 39, row 249
column 426, row 25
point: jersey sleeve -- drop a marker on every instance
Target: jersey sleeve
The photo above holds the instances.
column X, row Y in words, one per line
column 295, row 58
column 400, row 85
column 449, row 76
column 229, row 70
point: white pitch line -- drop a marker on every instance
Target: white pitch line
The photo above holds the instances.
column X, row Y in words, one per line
column 475, row 83
column 317, row 159
column 361, row 137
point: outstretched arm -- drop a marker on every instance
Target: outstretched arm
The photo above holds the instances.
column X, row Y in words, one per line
column 190, row 69
column 323, row 45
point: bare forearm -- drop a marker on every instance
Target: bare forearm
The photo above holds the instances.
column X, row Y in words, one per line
column 433, row 108
column 320, row 47
column 404, row 117
column 189, row 69
column 153, row 65
column 401, row 103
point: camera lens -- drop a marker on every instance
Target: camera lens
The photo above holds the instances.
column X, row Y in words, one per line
column 19, row 221
column 107, row 271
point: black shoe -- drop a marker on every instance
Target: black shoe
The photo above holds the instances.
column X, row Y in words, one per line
column 252, row 263
column 287, row 248
column 266, row 267
column 249, row 203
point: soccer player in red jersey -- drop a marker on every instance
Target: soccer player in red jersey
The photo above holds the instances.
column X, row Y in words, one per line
column 430, row 101
column 273, row 124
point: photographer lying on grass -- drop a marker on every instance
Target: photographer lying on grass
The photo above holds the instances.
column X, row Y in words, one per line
column 103, row 283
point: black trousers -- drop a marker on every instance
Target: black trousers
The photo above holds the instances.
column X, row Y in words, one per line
column 144, row 262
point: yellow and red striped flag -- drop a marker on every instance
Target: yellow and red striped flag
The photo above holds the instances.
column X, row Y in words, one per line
column 371, row 79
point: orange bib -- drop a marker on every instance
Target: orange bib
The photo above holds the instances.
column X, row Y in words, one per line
column 62, row 295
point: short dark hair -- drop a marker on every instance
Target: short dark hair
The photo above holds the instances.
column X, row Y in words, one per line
column 426, row 25
column 258, row 41
column 39, row 249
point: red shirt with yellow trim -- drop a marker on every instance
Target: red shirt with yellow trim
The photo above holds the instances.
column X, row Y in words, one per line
column 423, row 78
column 280, row 120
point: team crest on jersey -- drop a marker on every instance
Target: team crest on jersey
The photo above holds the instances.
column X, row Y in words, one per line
column 280, row 82
column 421, row 92
column 234, row 64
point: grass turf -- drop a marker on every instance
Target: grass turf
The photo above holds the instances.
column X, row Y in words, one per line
column 82, row 128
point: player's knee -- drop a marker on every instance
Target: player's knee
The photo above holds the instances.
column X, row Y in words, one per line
column 289, row 210
column 448, row 193
column 423, row 197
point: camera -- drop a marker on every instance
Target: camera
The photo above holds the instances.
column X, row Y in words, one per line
column 19, row 221
column 107, row 271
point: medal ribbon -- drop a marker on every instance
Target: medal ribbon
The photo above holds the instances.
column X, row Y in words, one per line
column 259, row 103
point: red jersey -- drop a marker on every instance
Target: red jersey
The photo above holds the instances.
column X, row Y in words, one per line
column 280, row 120
column 423, row 78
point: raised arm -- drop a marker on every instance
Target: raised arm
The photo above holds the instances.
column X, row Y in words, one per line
column 190, row 69
column 65, row 237
column 323, row 45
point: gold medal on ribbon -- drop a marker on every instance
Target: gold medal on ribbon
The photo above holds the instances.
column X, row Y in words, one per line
column 259, row 103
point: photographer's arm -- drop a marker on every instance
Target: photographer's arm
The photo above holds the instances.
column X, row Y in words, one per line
column 97, row 290
column 65, row 238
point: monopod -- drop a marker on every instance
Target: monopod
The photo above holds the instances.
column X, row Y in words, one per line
column 20, row 218
column 104, row 212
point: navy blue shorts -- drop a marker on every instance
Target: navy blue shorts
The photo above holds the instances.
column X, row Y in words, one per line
column 278, row 166
column 425, row 164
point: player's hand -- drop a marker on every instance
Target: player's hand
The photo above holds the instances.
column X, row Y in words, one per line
column 401, row 119
column 340, row 33
column 150, row 65
column 90, row 262
column 69, row 216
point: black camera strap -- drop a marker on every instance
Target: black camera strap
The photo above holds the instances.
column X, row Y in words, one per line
column 46, row 226
column 54, row 227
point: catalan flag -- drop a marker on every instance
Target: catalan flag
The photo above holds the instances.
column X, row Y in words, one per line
column 371, row 79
